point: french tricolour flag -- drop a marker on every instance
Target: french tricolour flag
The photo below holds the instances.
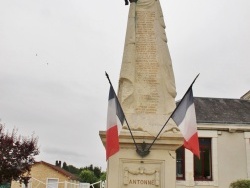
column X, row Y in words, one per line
column 115, row 120
column 185, row 118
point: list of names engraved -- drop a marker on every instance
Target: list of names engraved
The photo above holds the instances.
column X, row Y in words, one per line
column 146, row 64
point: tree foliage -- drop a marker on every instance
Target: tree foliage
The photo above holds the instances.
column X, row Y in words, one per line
column 73, row 169
column 70, row 168
column 16, row 156
column 65, row 166
column 103, row 176
column 96, row 170
column 89, row 174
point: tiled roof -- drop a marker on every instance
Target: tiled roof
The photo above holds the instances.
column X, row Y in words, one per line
column 60, row 170
column 220, row 110
column 246, row 96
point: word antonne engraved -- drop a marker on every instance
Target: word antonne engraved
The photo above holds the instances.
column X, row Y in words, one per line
column 141, row 176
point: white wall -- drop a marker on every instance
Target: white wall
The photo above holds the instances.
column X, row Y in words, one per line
column 230, row 160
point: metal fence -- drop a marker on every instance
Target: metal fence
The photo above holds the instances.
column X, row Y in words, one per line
column 35, row 183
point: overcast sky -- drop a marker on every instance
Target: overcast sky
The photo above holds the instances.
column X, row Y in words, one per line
column 54, row 53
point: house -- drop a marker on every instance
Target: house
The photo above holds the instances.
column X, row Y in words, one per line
column 224, row 138
column 45, row 175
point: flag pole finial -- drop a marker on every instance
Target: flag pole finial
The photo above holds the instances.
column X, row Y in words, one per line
column 195, row 79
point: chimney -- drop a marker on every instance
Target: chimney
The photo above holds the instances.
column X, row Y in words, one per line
column 58, row 163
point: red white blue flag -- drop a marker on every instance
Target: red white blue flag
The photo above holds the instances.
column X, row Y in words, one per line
column 115, row 121
column 185, row 118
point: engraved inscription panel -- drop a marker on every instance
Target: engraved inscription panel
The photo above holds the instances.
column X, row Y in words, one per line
column 136, row 174
column 146, row 65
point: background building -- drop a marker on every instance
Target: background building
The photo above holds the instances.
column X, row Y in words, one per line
column 45, row 175
column 224, row 137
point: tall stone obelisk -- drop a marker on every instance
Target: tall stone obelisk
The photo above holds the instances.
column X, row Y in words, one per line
column 147, row 95
column 146, row 86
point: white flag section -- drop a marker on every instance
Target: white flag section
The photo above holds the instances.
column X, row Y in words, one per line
column 185, row 118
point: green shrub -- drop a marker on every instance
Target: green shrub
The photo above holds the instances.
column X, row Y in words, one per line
column 240, row 184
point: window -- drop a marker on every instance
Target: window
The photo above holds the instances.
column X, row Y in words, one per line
column 180, row 163
column 52, row 183
column 203, row 166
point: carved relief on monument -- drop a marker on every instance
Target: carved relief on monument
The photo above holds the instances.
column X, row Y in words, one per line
column 146, row 86
column 136, row 174
column 144, row 177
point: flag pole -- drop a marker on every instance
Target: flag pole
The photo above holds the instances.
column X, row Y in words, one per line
column 122, row 111
column 172, row 113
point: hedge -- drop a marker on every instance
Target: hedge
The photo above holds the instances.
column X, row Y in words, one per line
column 240, row 184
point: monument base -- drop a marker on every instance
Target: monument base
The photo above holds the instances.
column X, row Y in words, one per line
column 157, row 169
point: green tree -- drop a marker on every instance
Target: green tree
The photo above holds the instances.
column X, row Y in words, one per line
column 88, row 176
column 103, row 176
column 72, row 169
column 65, row 166
column 90, row 167
column 97, row 171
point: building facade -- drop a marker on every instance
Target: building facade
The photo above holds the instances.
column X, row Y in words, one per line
column 45, row 175
column 224, row 138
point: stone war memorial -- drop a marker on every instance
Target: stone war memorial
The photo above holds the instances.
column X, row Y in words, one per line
column 147, row 96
